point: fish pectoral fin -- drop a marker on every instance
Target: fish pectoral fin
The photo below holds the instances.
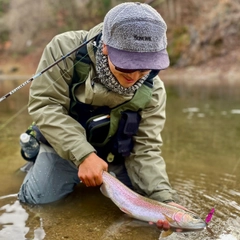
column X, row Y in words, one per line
column 170, row 220
column 164, row 234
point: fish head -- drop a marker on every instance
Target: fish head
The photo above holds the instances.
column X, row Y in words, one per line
column 186, row 221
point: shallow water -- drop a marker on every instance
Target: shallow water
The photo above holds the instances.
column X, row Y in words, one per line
column 202, row 152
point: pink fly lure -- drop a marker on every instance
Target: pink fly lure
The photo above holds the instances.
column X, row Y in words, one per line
column 209, row 216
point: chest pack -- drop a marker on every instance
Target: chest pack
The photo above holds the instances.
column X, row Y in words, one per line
column 109, row 130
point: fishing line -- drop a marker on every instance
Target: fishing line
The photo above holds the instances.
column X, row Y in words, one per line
column 13, row 117
column 39, row 74
column 47, row 68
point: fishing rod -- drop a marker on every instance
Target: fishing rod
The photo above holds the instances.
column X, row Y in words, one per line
column 46, row 69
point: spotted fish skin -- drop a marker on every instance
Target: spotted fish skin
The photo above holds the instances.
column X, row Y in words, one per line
column 145, row 209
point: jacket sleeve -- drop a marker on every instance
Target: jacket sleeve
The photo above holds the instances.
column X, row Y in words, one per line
column 49, row 100
column 145, row 166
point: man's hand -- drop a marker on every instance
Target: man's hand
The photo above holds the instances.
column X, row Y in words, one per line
column 163, row 225
column 91, row 169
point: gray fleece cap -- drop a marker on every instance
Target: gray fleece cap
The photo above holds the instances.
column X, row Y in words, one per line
column 135, row 35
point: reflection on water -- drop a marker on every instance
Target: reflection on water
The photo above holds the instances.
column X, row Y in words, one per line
column 14, row 219
column 202, row 152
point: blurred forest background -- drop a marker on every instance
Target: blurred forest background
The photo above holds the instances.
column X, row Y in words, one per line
column 202, row 35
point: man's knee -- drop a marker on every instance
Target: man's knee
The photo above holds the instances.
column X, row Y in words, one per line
column 25, row 195
column 50, row 179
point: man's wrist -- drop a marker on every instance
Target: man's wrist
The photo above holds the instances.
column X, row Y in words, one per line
column 78, row 162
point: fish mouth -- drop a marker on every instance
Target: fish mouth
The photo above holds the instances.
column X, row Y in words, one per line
column 198, row 226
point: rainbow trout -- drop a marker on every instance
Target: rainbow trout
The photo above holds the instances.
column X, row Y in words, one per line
column 145, row 209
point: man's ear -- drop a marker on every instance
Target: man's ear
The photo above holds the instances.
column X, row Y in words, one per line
column 104, row 49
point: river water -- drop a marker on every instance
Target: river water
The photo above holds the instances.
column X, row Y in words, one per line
column 201, row 150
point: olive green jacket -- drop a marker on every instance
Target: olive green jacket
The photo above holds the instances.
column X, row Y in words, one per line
column 49, row 106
